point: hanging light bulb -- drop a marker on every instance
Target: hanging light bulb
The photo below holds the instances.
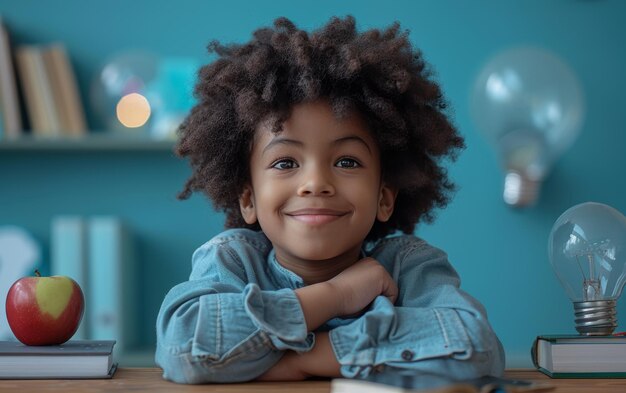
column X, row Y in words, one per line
column 529, row 105
column 587, row 250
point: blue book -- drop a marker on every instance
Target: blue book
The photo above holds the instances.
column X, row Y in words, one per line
column 68, row 250
column 112, row 313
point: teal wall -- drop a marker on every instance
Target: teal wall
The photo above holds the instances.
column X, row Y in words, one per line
column 500, row 253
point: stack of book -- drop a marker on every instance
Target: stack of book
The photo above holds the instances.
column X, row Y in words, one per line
column 71, row 360
column 49, row 88
column 575, row 356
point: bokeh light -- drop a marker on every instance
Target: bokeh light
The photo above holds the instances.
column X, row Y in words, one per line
column 133, row 110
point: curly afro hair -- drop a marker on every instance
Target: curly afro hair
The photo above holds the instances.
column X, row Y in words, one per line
column 377, row 73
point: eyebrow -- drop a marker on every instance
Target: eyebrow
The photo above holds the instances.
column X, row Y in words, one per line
column 353, row 138
column 287, row 141
column 281, row 141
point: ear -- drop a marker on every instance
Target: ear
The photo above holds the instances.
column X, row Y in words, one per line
column 386, row 202
column 247, row 205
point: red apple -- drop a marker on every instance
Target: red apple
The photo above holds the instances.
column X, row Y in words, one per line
column 44, row 310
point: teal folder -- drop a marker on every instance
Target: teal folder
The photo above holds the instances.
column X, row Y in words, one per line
column 68, row 247
column 112, row 282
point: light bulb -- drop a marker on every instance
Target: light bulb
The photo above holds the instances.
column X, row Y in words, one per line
column 119, row 93
column 529, row 105
column 587, row 250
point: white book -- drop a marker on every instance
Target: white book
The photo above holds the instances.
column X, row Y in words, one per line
column 68, row 248
column 112, row 281
column 568, row 356
column 20, row 254
column 393, row 380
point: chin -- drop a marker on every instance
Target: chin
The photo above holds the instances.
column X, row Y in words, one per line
column 319, row 252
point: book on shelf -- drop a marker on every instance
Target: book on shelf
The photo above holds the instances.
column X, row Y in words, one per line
column 9, row 101
column 575, row 356
column 65, row 90
column 75, row 359
column 112, row 284
column 30, row 80
column 50, row 90
column 68, row 256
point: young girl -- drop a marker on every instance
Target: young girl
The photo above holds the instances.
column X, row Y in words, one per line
column 319, row 147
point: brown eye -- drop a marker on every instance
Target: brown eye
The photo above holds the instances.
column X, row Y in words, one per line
column 285, row 164
column 347, row 163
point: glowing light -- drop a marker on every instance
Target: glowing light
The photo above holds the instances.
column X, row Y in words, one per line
column 133, row 110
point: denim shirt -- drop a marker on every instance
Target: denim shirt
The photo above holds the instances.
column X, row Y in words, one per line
column 238, row 313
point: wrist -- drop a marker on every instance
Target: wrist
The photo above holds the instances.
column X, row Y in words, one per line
column 319, row 304
column 321, row 360
column 336, row 305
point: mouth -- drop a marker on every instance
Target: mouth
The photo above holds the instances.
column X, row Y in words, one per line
column 316, row 216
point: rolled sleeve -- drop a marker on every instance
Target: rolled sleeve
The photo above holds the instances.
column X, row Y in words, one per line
column 433, row 327
column 400, row 337
column 279, row 314
column 217, row 327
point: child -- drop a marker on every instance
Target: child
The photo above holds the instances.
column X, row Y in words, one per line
column 318, row 147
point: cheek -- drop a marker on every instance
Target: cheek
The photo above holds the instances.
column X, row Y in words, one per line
column 363, row 191
column 269, row 197
column 365, row 187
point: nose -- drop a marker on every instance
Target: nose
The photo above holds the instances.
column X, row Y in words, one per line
column 316, row 182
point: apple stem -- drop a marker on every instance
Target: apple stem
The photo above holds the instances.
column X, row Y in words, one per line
column 37, row 273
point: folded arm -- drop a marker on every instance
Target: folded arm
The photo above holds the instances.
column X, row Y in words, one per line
column 218, row 328
column 433, row 327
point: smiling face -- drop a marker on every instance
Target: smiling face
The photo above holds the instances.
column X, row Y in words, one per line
column 316, row 186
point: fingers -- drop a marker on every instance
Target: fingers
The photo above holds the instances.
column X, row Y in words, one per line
column 391, row 291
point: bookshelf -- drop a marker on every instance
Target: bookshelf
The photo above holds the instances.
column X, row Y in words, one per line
column 92, row 150
column 93, row 172
column 96, row 141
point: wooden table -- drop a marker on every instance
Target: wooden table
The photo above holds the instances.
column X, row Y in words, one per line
column 149, row 380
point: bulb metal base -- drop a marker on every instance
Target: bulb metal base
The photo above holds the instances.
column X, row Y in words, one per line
column 519, row 190
column 595, row 318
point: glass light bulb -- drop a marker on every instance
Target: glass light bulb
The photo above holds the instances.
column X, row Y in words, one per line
column 587, row 250
column 529, row 104
column 126, row 73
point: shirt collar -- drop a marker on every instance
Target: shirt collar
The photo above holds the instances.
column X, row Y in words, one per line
column 285, row 277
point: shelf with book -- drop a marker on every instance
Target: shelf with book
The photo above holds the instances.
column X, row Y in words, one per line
column 96, row 141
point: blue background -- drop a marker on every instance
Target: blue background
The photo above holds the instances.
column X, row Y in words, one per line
column 500, row 253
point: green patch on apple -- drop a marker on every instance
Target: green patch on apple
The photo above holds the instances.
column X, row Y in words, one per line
column 53, row 294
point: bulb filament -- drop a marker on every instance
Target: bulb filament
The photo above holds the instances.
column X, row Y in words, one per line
column 591, row 286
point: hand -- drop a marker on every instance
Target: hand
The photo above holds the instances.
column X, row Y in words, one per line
column 360, row 284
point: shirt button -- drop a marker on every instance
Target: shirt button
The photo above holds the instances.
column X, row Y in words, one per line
column 407, row 355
